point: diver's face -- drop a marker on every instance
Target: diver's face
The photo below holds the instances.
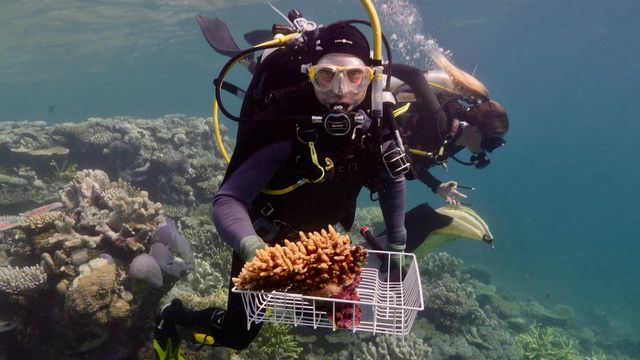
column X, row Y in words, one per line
column 340, row 79
column 471, row 138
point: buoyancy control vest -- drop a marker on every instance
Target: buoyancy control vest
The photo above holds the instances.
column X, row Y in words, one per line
column 279, row 105
column 426, row 126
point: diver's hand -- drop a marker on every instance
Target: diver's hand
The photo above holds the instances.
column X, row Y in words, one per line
column 448, row 191
column 249, row 245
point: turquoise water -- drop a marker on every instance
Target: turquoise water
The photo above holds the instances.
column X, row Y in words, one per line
column 561, row 197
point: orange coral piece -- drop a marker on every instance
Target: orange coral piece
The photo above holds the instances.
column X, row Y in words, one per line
column 314, row 262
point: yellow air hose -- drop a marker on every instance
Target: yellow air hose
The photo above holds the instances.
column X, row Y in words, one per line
column 283, row 40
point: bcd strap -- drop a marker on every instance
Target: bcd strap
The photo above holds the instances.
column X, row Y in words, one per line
column 267, row 226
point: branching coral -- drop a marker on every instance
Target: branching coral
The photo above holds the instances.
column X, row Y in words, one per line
column 434, row 266
column 18, row 281
column 64, row 172
column 275, row 341
column 310, row 264
column 451, row 306
column 393, row 347
column 546, row 343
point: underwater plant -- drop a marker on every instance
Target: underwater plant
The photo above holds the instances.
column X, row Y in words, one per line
column 64, row 172
column 275, row 341
column 546, row 343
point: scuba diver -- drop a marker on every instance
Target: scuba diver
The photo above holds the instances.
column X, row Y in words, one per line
column 440, row 113
column 307, row 144
column 449, row 110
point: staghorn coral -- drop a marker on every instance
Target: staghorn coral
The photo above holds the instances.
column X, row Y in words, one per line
column 308, row 265
column 20, row 281
column 275, row 341
column 546, row 343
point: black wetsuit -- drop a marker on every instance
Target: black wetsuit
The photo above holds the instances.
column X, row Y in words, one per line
column 239, row 205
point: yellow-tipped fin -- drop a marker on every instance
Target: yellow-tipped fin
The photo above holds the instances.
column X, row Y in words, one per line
column 466, row 224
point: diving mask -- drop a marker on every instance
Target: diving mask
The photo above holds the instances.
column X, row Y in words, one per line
column 490, row 143
column 481, row 160
column 340, row 79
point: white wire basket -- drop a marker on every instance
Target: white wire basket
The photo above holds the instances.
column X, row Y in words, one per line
column 387, row 305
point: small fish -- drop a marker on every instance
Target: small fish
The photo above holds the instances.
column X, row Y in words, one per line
column 547, row 296
column 51, row 108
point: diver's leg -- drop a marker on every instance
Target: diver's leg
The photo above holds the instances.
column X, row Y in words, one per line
column 227, row 327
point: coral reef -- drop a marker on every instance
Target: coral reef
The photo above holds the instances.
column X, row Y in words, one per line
column 93, row 296
column 451, row 306
column 434, row 265
column 389, row 347
column 95, row 273
column 275, row 341
column 94, row 268
column 546, row 343
column 21, row 281
column 313, row 263
column 170, row 157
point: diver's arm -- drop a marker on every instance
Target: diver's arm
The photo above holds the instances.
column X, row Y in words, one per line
column 392, row 200
column 424, row 175
column 232, row 201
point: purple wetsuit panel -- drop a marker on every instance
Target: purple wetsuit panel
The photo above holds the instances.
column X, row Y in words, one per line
column 231, row 203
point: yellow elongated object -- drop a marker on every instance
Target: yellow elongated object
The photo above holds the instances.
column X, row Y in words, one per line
column 466, row 224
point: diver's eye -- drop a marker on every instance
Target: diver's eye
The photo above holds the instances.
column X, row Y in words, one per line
column 356, row 76
column 325, row 76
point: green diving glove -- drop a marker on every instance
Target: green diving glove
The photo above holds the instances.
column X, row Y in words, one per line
column 249, row 245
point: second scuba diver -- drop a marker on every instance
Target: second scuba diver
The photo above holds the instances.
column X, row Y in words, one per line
column 288, row 175
column 449, row 110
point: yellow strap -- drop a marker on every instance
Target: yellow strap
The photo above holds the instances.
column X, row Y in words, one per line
column 203, row 339
column 401, row 110
column 418, row 152
column 329, row 165
column 314, row 160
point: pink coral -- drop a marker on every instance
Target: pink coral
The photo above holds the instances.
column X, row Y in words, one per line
column 344, row 313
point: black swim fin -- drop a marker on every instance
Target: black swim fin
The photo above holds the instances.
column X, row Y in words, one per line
column 256, row 37
column 420, row 222
column 217, row 34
